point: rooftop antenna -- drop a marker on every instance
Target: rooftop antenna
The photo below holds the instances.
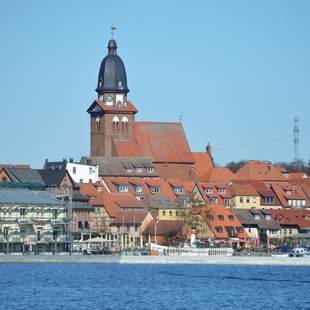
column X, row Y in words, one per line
column 113, row 28
column 296, row 138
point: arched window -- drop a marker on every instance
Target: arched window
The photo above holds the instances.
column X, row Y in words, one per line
column 97, row 123
column 124, row 123
column 124, row 119
column 115, row 122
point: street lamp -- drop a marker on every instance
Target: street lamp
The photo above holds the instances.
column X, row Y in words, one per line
column 156, row 222
column 6, row 235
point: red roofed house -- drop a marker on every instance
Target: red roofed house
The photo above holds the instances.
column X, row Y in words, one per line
column 291, row 195
column 224, row 224
column 168, row 232
column 244, row 196
column 294, row 223
column 262, row 171
column 121, row 217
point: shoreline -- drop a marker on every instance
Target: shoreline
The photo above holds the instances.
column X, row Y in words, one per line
column 220, row 260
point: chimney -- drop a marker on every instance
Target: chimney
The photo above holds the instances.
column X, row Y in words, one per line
column 71, row 160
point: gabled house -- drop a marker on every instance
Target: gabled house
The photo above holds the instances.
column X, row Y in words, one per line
column 58, row 182
column 259, row 225
column 294, row 223
column 130, row 226
column 291, row 195
column 244, row 196
column 166, row 232
column 224, row 225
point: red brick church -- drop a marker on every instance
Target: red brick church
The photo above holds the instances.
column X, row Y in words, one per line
column 115, row 133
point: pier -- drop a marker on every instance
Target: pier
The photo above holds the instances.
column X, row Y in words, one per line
column 93, row 259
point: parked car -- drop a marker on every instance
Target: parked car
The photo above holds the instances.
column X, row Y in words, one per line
column 298, row 252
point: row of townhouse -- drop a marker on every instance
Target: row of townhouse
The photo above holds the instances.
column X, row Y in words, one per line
column 128, row 209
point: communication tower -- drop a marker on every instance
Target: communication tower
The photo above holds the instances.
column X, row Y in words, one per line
column 296, row 138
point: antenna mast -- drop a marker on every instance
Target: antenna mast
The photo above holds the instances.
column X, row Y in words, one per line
column 296, row 138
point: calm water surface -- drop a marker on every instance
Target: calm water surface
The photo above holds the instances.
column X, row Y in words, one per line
column 57, row 286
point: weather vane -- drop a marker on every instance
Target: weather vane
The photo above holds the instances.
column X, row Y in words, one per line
column 113, row 28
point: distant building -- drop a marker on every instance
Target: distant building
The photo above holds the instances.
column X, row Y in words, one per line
column 79, row 172
column 262, row 171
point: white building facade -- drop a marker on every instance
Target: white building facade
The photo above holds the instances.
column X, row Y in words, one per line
column 82, row 173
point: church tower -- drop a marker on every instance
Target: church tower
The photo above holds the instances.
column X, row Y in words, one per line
column 112, row 116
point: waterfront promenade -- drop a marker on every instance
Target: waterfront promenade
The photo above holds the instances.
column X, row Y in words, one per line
column 92, row 259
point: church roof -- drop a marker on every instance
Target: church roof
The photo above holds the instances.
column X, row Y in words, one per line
column 162, row 142
column 112, row 74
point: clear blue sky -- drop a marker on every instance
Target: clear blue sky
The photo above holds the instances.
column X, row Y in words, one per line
column 238, row 72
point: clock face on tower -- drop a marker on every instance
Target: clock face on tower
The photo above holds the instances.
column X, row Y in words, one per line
column 109, row 99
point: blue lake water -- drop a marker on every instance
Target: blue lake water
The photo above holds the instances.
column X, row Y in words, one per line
column 75, row 286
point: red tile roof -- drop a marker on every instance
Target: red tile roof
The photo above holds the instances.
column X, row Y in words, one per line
column 260, row 170
column 298, row 217
column 175, row 183
column 91, row 189
column 219, row 175
column 131, row 217
column 242, row 190
column 104, row 200
column 165, row 227
column 182, row 172
column 162, row 142
column 146, row 183
column 116, row 202
column 203, row 163
column 289, row 192
column 297, row 175
column 220, row 216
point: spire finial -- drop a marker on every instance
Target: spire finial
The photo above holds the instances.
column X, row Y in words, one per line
column 113, row 28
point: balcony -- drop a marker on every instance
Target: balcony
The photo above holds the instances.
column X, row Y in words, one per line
column 8, row 219
column 58, row 221
column 25, row 221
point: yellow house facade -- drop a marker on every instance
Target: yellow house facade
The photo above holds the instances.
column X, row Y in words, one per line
column 245, row 196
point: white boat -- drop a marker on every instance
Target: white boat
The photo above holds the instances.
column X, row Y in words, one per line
column 159, row 250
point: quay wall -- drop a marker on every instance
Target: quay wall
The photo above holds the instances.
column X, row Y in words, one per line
column 92, row 259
